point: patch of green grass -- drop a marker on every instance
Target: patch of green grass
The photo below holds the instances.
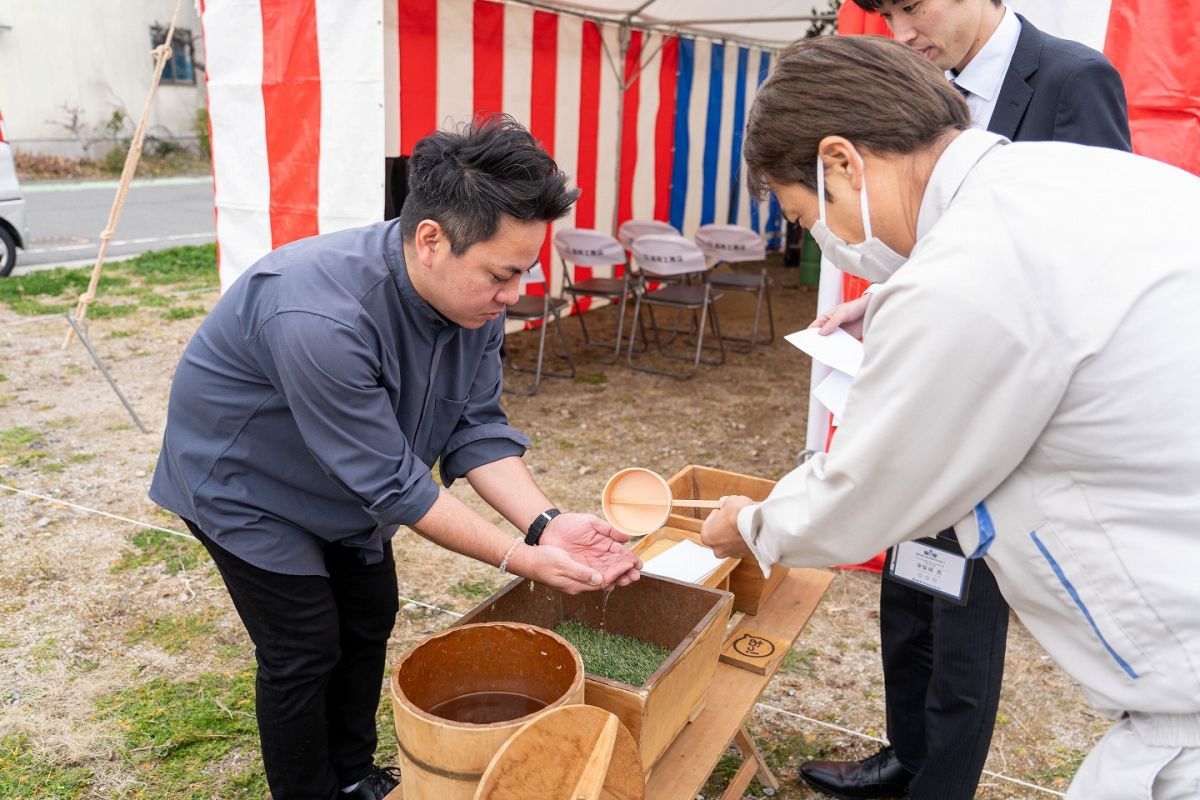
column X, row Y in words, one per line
column 802, row 661
column 1059, row 774
column 102, row 310
column 184, row 312
column 154, row 299
column 80, row 458
column 121, row 334
column 156, row 547
column 621, row 658
column 54, row 291
column 177, row 265
column 172, row 633
column 174, row 732
column 25, row 774
column 3, row 378
column 14, row 440
column 53, row 468
column 591, row 378
column 473, row 590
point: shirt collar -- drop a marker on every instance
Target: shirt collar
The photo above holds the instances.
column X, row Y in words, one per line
column 984, row 75
column 951, row 169
column 394, row 254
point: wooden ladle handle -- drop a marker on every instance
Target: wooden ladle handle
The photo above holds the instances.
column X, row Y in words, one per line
column 679, row 503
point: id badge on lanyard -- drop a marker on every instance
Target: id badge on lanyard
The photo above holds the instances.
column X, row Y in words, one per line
column 935, row 566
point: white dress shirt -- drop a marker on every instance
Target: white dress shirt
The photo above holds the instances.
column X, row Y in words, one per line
column 984, row 75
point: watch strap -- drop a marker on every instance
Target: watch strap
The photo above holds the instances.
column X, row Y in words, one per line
column 539, row 525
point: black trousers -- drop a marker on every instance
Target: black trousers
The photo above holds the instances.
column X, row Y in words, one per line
column 320, row 644
column 942, row 668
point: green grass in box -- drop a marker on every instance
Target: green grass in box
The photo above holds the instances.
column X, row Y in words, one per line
column 611, row 655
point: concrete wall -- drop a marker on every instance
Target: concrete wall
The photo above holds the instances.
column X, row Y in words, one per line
column 92, row 55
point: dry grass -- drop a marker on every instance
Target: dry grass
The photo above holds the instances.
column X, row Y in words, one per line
column 100, row 628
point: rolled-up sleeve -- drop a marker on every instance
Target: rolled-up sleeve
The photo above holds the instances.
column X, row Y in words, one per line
column 329, row 376
column 482, row 434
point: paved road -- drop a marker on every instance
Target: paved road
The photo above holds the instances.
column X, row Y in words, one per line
column 65, row 219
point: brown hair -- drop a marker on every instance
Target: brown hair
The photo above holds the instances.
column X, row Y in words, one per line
column 881, row 95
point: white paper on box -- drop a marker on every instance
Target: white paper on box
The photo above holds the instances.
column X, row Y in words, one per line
column 838, row 350
column 686, row 561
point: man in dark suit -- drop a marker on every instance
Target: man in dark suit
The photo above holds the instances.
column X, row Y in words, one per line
column 942, row 662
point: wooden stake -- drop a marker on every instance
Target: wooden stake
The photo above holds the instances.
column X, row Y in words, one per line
column 161, row 54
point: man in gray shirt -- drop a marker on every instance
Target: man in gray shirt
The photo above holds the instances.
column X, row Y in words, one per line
column 304, row 419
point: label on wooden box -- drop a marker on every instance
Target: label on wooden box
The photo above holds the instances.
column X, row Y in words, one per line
column 754, row 651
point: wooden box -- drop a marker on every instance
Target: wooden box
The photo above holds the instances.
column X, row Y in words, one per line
column 664, row 539
column 692, row 482
column 686, row 619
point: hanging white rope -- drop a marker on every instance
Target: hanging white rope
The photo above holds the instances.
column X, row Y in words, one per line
column 161, row 54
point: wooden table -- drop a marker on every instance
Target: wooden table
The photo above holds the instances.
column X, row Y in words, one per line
column 685, row 767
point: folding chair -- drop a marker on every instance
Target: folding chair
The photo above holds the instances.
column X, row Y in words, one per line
column 732, row 244
column 588, row 248
column 629, row 232
column 532, row 308
column 660, row 257
column 632, row 229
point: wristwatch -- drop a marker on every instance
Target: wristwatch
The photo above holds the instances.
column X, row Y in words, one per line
column 539, row 525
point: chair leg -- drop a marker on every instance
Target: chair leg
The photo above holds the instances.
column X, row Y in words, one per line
column 588, row 341
column 539, row 370
column 707, row 315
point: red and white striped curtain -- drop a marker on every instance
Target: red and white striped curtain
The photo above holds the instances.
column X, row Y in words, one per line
column 308, row 96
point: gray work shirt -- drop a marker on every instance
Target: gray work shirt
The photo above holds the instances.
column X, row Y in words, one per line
column 312, row 401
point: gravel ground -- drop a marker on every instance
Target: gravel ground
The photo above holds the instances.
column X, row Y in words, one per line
column 74, row 630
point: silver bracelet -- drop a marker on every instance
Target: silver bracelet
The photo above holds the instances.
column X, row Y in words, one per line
column 508, row 555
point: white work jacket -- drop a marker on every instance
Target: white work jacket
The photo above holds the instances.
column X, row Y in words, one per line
column 1032, row 378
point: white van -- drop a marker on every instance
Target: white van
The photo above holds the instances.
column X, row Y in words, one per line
column 12, row 208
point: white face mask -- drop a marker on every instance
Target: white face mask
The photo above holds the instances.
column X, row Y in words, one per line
column 871, row 259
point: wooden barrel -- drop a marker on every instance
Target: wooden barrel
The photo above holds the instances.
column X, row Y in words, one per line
column 459, row 695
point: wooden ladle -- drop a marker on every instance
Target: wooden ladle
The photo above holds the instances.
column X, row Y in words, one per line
column 638, row 501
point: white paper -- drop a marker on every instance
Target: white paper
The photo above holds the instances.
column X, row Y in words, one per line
column 838, row 350
column 833, row 392
column 686, row 561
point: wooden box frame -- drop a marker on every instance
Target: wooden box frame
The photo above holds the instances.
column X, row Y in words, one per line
column 750, row 589
column 686, row 619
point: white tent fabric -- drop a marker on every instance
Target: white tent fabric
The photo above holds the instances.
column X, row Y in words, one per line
column 770, row 23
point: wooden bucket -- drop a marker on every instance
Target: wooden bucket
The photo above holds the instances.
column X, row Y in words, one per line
column 461, row 694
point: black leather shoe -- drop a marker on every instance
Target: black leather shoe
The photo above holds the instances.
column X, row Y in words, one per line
column 378, row 784
column 880, row 775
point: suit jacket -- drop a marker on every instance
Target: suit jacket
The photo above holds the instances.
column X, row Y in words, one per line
column 1062, row 91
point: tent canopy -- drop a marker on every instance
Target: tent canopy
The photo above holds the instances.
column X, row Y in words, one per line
column 766, row 23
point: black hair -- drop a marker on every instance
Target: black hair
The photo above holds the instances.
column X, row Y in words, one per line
column 874, row 5
column 465, row 179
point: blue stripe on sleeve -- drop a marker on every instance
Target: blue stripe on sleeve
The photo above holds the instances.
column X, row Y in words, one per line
column 1079, row 602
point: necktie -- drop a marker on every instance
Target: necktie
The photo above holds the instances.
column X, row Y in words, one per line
column 966, row 93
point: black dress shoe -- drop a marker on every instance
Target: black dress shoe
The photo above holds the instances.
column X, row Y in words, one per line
column 378, row 784
column 880, row 775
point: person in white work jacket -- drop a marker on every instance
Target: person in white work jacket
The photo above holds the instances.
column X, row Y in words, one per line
column 1031, row 378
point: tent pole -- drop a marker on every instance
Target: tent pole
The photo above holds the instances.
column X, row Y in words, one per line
column 623, row 38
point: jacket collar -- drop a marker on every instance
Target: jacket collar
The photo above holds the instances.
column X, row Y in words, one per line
column 1015, row 92
column 409, row 296
column 951, row 169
